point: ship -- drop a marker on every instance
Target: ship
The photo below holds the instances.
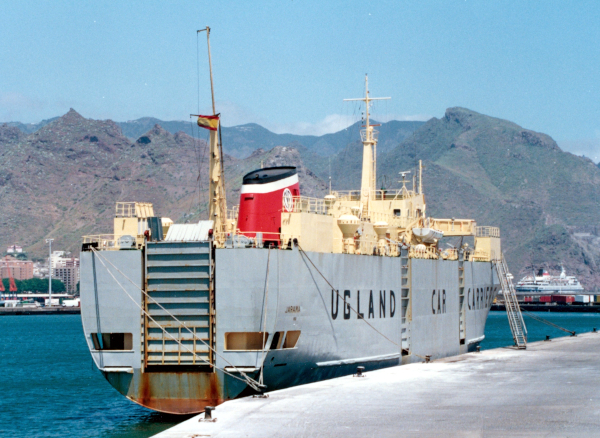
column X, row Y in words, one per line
column 282, row 289
column 545, row 284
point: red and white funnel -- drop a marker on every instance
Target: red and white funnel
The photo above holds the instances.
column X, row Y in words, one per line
column 265, row 194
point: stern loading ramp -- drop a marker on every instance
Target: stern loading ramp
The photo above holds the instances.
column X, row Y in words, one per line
column 550, row 389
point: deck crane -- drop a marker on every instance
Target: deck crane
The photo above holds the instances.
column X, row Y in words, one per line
column 12, row 287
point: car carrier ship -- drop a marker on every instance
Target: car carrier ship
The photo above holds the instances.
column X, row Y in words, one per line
column 281, row 290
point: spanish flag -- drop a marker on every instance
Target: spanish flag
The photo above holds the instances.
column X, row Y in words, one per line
column 209, row 122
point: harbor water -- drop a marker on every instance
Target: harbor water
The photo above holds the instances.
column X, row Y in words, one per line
column 50, row 387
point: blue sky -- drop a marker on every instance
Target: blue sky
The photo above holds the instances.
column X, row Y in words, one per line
column 288, row 64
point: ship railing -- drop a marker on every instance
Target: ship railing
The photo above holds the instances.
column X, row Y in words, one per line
column 232, row 213
column 449, row 254
column 454, row 227
column 374, row 134
column 134, row 209
column 487, row 232
column 377, row 195
column 362, row 245
column 421, row 252
column 108, row 242
column 391, row 219
column 253, row 239
column 125, row 209
column 305, row 204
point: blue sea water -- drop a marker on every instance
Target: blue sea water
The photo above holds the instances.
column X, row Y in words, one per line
column 50, row 388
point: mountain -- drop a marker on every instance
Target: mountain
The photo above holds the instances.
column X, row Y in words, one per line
column 63, row 180
column 544, row 200
column 241, row 141
column 29, row 128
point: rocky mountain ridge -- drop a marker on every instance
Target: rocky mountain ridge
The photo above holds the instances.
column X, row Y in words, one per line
column 63, row 180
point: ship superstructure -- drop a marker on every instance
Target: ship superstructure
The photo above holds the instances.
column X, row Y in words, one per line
column 281, row 290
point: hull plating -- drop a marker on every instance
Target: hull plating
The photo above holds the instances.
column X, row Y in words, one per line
column 334, row 335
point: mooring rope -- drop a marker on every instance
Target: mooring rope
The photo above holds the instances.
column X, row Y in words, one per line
column 302, row 252
column 264, row 328
column 545, row 321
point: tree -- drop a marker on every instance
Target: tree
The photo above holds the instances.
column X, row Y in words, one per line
column 38, row 285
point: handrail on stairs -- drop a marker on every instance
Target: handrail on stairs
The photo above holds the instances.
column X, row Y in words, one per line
column 511, row 304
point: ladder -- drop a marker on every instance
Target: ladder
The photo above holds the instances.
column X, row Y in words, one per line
column 462, row 304
column 405, row 304
column 513, row 311
column 179, row 277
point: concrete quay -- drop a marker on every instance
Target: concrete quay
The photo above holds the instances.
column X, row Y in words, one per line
column 552, row 389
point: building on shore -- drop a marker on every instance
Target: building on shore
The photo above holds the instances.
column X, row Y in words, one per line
column 57, row 257
column 67, row 271
column 14, row 249
column 19, row 269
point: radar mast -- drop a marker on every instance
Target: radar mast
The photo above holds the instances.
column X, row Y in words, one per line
column 369, row 141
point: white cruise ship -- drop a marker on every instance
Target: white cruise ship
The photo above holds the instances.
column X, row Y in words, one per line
column 545, row 284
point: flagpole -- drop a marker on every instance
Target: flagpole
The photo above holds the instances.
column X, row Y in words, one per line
column 217, row 194
column 212, row 89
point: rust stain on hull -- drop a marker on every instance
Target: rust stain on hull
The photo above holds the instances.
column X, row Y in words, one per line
column 173, row 392
column 151, row 395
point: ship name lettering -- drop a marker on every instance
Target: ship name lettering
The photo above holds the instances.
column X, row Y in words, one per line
column 438, row 301
column 346, row 305
column 385, row 304
column 335, row 294
column 480, row 298
column 358, row 313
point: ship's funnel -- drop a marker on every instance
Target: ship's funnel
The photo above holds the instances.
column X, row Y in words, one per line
column 348, row 224
column 381, row 229
column 265, row 194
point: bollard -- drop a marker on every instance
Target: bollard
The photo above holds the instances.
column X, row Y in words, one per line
column 594, row 330
column 478, row 349
column 428, row 358
column 208, row 415
column 547, row 337
column 360, row 372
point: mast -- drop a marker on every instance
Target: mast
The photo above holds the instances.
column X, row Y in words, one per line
column 369, row 141
column 217, row 204
column 420, row 177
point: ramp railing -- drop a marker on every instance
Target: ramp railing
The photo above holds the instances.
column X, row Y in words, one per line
column 513, row 311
